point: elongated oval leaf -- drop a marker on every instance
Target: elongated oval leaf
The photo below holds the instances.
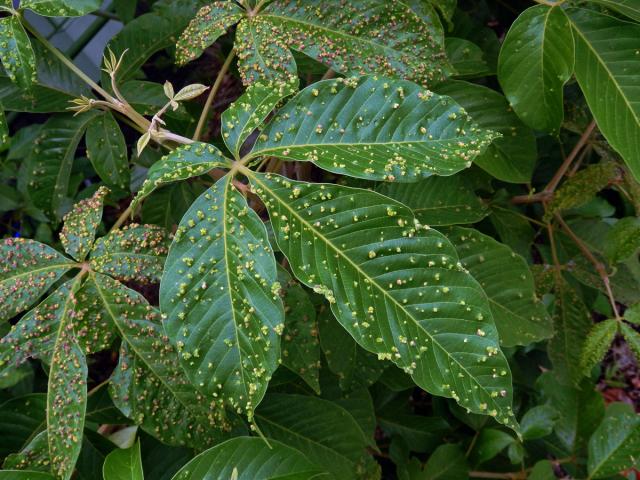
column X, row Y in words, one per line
column 210, row 23
column 398, row 290
column 536, row 60
column 132, row 253
column 246, row 458
column 182, row 163
column 609, row 84
column 66, row 395
column 21, row 418
column 107, row 150
column 510, row 158
column 148, row 385
column 632, row 338
column 597, row 343
column 361, row 36
column 322, row 430
column 374, row 128
column 81, row 223
column 250, row 111
column 61, row 8
column 628, row 8
column 124, row 464
column 219, row 293
column 27, row 270
column 16, row 52
column 521, row 318
column 615, row 445
column 439, row 200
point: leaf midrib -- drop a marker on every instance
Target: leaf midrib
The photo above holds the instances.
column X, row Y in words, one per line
column 373, row 282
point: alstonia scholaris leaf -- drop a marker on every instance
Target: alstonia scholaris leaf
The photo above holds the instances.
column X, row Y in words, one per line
column 182, row 163
column 66, row 394
column 16, row 53
column 360, row 37
column 398, row 289
column 211, row 22
column 81, row 223
column 374, row 128
column 219, row 293
column 61, row 8
column 520, row 317
column 107, row 150
column 131, row 253
column 148, row 385
column 27, row 270
column 249, row 111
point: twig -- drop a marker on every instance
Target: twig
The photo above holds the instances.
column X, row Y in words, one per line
column 599, row 266
column 122, row 218
column 212, row 93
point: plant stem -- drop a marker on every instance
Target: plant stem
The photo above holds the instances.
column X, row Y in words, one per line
column 122, row 218
column 212, row 93
column 547, row 192
column 508, row 475
column 599, row 266
column 62, row 57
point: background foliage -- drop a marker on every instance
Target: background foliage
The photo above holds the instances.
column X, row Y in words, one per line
column 322, row 239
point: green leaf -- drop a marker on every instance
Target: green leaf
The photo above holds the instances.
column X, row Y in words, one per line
column 421, row 434
column 21, row 418
column 447, row 462
column 28, row 269
column 374, row 128
column 632, row 338
column 597, row 344
column 148, row 385
column 262, row 53
column 510, row 158
column 66, row 395
column 362, row 251
column 439, row 200
column 628, row 8
column 80, row 225
column 623, row 239
column 166, row 206
column 513, row 229
column 250, row 111
column 40, row 98
column 490, row 443
column 581, row 409
column 4, row 130
column 467, row 58
column 632, row 314
column 211, row 22
column 536, row 60
column 363, row 36
column 124, row 464
column 249, row 459
column 608, row 84
column 219, row 293
column 107, row 150
column 322, row 430
column 615, row 445
column 16, row 53
column 572, row 322
column 24, row 475
column 300, row 342
column 184, row 162
column 538, row 422
column 45, row 175
column 61, row 8
column 520, row 317
column 354, row 366
column 542, row 470
column 447, row 8
column 34, row 456
column 131, row 253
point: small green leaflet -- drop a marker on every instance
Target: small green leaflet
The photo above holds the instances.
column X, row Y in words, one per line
column 615, row 445
column 219, row 293
column 61, row 8
column 249, row 458
column 16, row 53
column 374, row 128
column 249, row 111
column 623, row 239
column 536, row 60
column 446, row 462
column 27, row 270
column 382, row 274
column 131, row 253
column 632, row 337
column 211, row 22
column 107, row 150
column 597, row 343
column 66, row 394
column 608, row 84
column 467, row 58
column 521, row 318
column 439, row 200
column 124, row 464
column 80, row 225
column 184, row 162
